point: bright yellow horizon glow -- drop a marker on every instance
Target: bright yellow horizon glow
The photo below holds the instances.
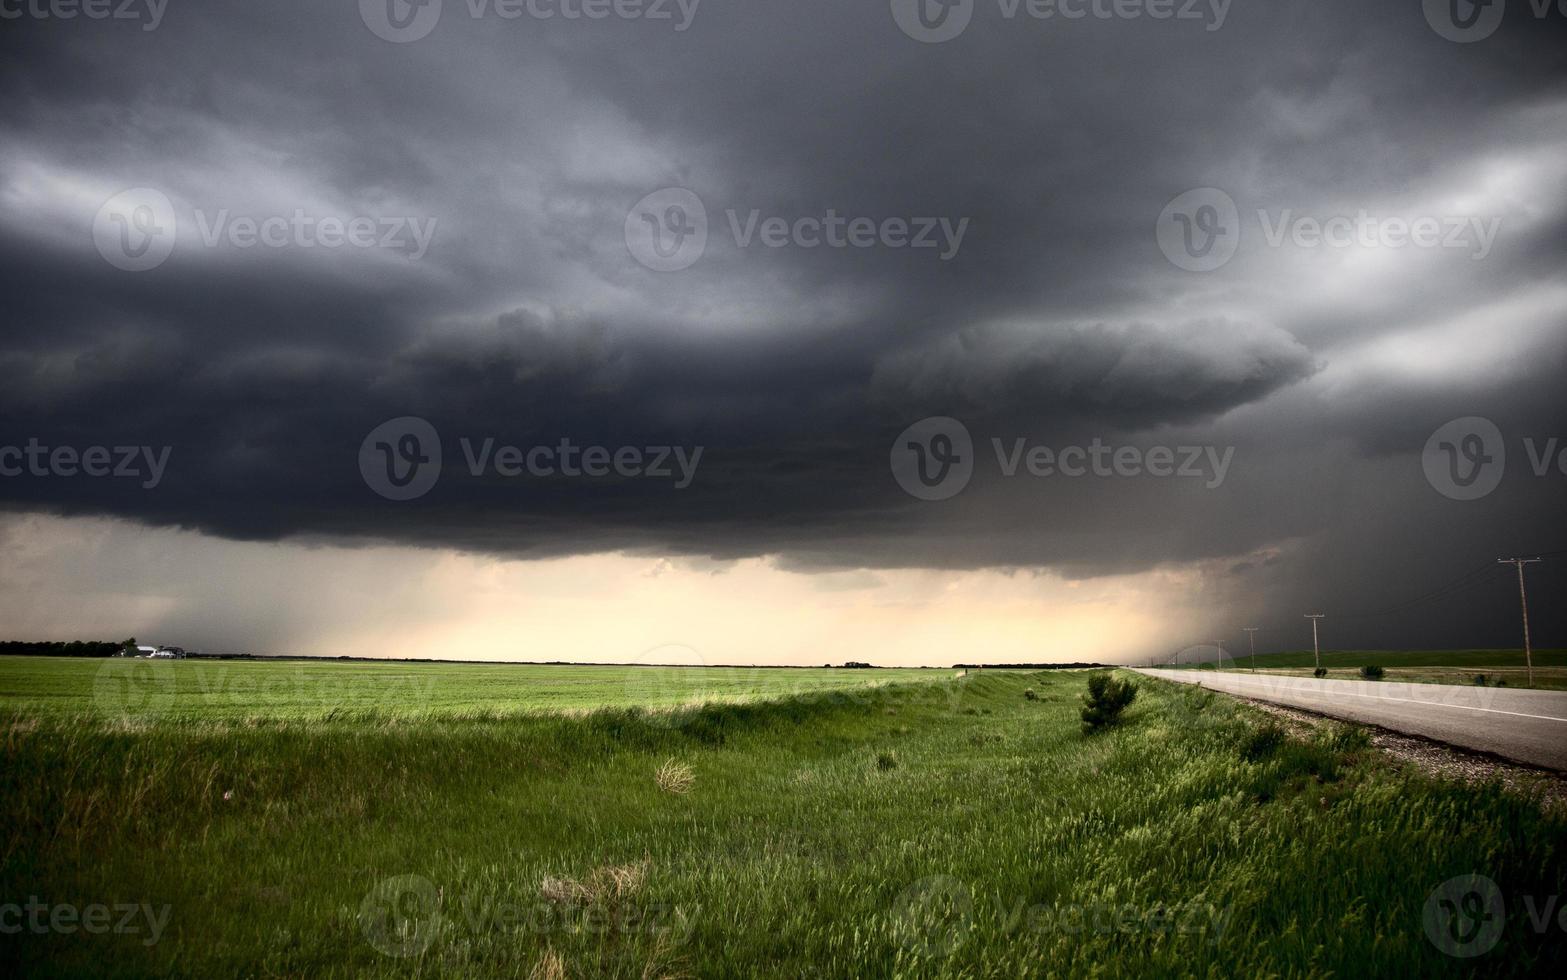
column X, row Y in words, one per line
column 101, row 579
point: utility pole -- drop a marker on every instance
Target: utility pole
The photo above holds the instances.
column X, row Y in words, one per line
column 1523, row 598
column 1251, row 633
column 1316, row 651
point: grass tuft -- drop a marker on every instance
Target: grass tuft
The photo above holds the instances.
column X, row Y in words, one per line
column 675, row 777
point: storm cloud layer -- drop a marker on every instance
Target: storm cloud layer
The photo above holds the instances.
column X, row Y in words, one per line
column 1285, row 245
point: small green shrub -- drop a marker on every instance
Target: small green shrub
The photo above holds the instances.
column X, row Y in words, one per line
column 1479, row 680
column 1105, row 700
column 886, row 761
column 1029, row 694
column 1372, row 672
column 1320, row 672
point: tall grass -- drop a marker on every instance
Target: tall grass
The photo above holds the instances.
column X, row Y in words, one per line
column 1003, row 842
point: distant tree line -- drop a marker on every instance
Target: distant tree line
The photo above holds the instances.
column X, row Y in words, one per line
column 75, row 648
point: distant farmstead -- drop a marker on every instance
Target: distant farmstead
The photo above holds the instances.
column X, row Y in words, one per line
column 161, row 653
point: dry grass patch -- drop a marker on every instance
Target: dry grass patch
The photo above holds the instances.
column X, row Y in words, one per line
column 675, row 777
column 607, row 885
column 550, row 966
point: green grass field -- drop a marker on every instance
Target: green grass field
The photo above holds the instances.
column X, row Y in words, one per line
column 204, row 690
column 934, row 827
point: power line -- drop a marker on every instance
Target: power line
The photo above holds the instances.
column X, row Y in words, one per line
column 1481, row 575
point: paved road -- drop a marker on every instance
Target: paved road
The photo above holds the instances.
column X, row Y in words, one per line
column 1525, row 726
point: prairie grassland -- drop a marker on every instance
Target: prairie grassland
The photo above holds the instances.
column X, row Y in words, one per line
column 272, row 690
column 944, row 828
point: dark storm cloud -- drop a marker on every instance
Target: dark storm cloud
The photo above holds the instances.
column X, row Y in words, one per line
column 1058, row 321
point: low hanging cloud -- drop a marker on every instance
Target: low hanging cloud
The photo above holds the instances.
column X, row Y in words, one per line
column 1131, row 376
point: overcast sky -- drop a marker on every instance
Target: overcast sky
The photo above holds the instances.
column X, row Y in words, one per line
column 900, row 335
